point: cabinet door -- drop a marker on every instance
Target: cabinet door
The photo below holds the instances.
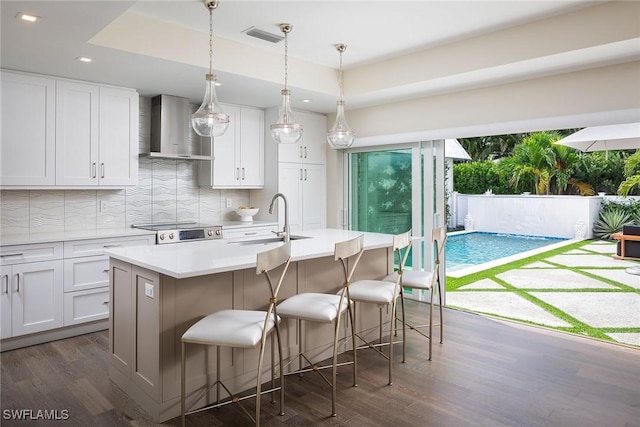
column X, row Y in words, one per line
column 314, row 197
column 27, row 152
column 314, row 138
column 76, row 133
column 118, row 159
column 251, row 148
column 290, row 183
column 37, row 302
column 226, row 168
column 5, row 301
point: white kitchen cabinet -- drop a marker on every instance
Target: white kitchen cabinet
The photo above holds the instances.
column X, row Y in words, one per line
column 305, row 189
column 86, row 276
column 5, row 302
column 27, row 152
column 96, row 135
column 299, row 172
column 238, row 154
column 31, row 280
column 249, row 232
column 312, row 146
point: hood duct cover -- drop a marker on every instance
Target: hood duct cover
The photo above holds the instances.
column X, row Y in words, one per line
column 170, row 128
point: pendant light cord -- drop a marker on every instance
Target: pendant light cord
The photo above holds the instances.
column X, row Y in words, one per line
column 341, row 78
column 211, row 39
column 286, row 59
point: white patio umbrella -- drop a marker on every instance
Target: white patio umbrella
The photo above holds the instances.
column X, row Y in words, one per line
column 604, row 138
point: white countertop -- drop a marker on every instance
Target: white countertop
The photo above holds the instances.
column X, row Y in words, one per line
column 191, row 259
column 64, row 236
column 227, row 225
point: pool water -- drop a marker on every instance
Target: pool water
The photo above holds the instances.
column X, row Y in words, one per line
column 469, row 249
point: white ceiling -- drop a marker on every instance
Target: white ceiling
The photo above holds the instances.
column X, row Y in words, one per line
column 375, row 31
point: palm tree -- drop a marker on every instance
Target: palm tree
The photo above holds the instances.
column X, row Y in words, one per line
column 538, row 164
column 632, row 174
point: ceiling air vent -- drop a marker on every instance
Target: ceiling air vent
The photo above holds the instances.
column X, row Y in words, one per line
column 263, row 35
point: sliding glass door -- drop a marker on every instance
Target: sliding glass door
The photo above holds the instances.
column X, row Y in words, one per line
column 395, row 189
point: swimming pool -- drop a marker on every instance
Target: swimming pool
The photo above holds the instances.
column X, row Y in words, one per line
column 465, row 250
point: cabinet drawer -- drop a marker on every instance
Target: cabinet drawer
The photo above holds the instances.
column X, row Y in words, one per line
column 86, row 306
column 18, row 254
column 86, row 273
column 249, row 232
column 90, row 247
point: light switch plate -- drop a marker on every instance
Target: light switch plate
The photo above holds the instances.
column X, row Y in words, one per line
column 148, row 290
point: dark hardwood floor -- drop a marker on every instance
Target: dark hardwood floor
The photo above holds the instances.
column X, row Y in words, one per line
column 487, row 373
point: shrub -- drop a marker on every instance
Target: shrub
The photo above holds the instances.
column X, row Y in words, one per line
column 610, row 221
column 478, row 177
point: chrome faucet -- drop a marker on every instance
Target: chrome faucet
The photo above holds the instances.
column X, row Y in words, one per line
column 285, row 231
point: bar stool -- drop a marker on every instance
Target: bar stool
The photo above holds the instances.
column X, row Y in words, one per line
column 424, row 280
column 326, row 308
column 242, row 329
column 382, row 293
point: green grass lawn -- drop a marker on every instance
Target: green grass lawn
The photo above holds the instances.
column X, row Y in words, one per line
column 576, row 326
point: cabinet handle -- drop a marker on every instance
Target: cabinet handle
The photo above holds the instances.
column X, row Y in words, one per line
column 106, row 271
column 6, row 283
column 93, row 169
column 106, row 302
column 243, row 174
column 116, row 245
column 305, row 174
column 300, row 174
column 305, row 151
column 300, row 151
column 18, row 282
column 250, row 234
column 102, row 170
column 237, row 173
column 6, row 255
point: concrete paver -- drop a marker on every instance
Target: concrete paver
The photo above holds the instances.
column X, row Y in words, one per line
column 551, row 279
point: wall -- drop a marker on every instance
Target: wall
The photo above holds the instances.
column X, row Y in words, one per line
column 551, row 216
column 167, row 190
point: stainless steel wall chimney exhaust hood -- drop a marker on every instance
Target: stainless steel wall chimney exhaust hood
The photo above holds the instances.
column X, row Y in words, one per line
column 170, row 129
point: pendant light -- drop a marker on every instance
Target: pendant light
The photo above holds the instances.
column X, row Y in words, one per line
column 340, row 135
column 210, row 119
column 286, row 130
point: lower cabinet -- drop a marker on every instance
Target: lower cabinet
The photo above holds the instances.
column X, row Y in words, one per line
column 47, row 286
column 31, row 291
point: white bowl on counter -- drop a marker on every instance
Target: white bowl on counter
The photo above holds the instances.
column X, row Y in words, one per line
column 247, row 214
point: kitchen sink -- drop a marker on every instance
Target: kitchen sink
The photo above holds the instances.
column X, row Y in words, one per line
column 266, row 240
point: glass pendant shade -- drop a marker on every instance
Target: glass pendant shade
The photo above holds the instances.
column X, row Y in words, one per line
column 286, row 130
column 210, row 119
column 340, row 135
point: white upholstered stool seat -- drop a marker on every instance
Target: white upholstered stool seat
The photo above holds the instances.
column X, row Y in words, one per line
column 373, row 291
column 229, row 328
column 315, row 307
column 414, row 279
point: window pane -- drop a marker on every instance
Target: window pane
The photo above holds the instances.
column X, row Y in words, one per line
column 381, row 185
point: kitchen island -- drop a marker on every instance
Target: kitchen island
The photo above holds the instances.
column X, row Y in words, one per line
column 158, row 292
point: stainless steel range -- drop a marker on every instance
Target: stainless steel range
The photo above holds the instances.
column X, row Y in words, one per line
column 175, row 232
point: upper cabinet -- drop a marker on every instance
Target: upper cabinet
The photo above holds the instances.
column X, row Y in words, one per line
column 91, row 138
column 27, row 152
column 238, row 155
column 310, row 148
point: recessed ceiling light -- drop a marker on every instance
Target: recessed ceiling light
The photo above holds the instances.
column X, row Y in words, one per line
column 84, row 59
column 26, row 17
column 306, row 101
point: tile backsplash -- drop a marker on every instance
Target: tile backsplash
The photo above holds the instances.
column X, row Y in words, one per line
column 167, row 190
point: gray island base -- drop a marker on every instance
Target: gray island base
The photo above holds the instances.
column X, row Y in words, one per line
column 158, row 292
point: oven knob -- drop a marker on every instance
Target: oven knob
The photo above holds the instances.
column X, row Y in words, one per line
column 170, row 236
column 161, row 236
column 218, row 232
column 210, row 233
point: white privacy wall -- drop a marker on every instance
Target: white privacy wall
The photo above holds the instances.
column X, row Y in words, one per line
column 550, row 216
